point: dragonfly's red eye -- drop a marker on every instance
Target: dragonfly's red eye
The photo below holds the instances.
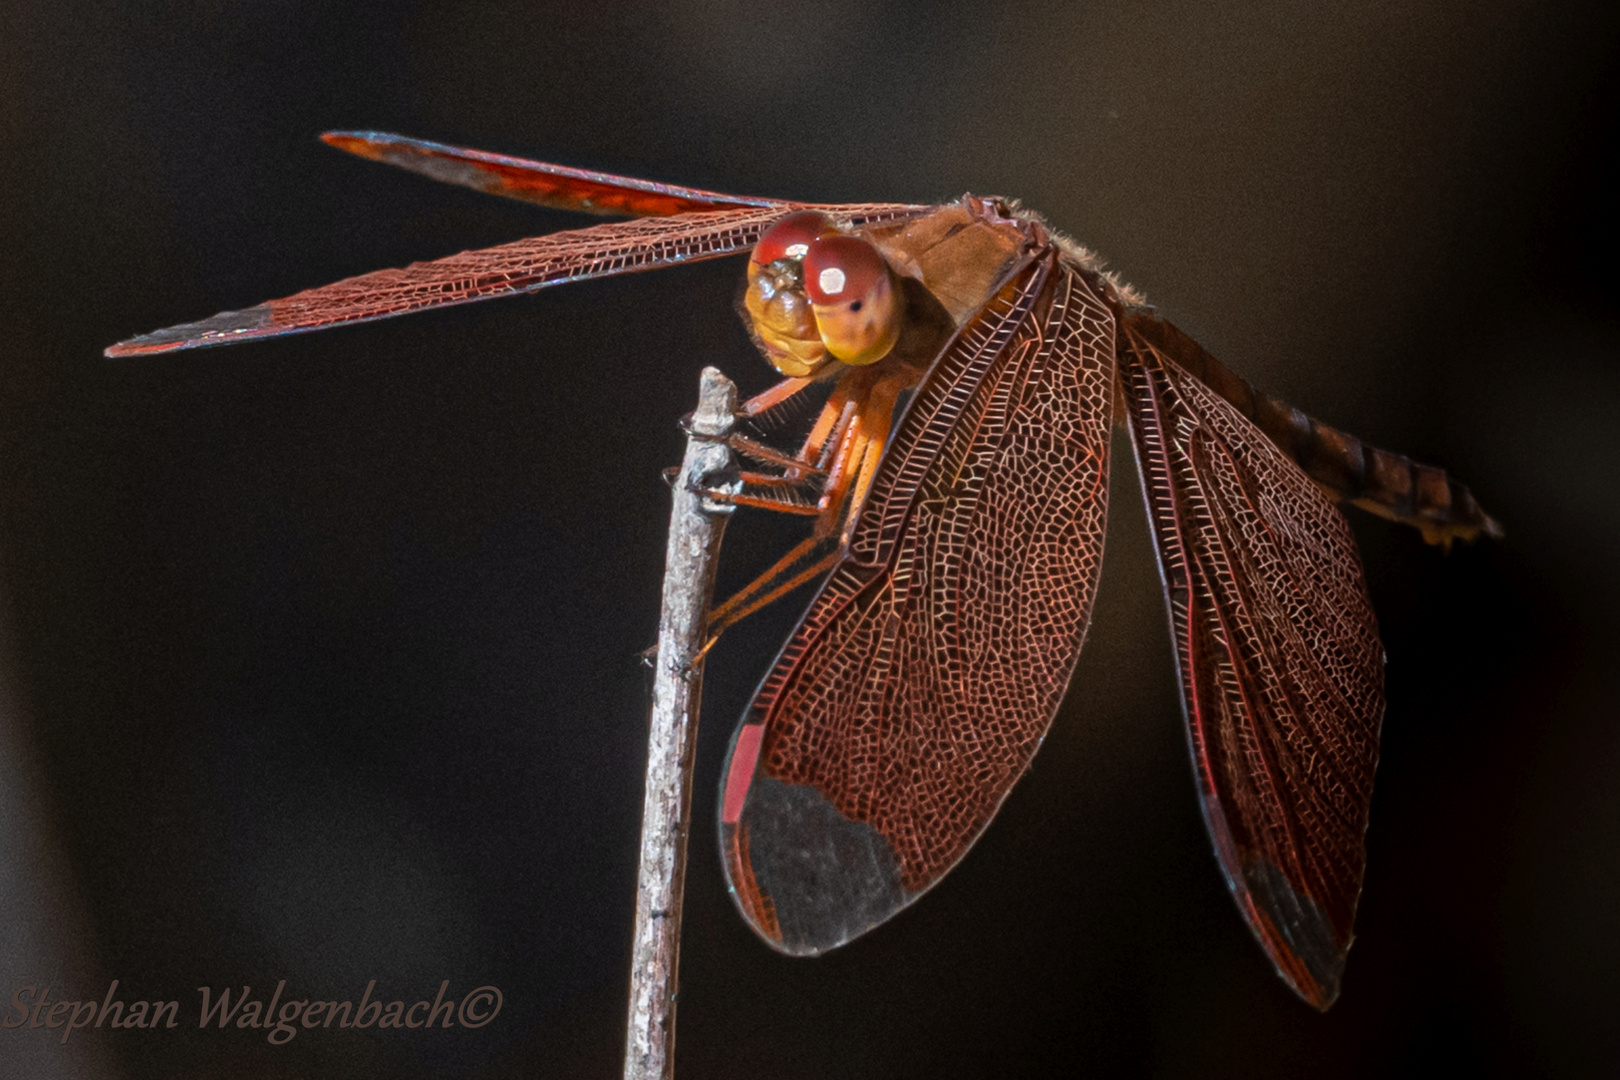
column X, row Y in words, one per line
column 791, row 237
column 853, row 294
column 842, row 270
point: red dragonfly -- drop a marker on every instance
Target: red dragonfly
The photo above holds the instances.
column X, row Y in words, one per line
column 974, row 361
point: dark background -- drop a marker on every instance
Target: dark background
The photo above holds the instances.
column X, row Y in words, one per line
column 320, row 655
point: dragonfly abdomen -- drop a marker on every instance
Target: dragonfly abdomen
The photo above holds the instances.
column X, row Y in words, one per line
column 1390, row 485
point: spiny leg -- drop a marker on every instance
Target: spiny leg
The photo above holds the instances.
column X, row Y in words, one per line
column 782, row 392
column 808, row 558
column 860, row 437
column 876, row 420
column 801, row 470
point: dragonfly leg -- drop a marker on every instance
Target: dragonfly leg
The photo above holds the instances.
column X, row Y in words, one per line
column 794, row 490
column 809, row 559
column 791, row 464
column 761, row 404
column 781, row 504
column 843, row 450
column 875, row 420
column 857, row 442
column 758, row 407
column 834, row 420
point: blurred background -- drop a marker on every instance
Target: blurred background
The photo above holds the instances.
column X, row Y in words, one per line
column 319, row 657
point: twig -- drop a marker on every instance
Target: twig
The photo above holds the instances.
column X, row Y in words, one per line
column 695, row 528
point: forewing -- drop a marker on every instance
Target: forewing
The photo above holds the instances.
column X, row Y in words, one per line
column 619, row 247
column 556, row 186
column 925, row 674
column 1282, row 671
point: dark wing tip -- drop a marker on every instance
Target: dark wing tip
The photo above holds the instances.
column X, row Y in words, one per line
column 804, row 876
column 221, row 329
column 1304, row 946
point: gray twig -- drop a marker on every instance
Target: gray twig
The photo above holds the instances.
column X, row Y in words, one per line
column 696, row 525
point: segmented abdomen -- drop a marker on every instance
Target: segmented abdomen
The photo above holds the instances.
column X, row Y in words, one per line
column 1390, row 485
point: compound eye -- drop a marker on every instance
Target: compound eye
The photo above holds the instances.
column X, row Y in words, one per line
column 853, row 294
column 791, row 237
column 842, row 270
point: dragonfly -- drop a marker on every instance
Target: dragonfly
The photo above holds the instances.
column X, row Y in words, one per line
column 971, row 362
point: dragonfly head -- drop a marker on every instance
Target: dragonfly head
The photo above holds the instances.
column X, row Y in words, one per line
column 816, row 295
column 775, row 303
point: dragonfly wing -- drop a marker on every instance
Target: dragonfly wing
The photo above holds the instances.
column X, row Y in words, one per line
column 556, row 186
column 619, row 247
column 1282, row 671
column 923, row 677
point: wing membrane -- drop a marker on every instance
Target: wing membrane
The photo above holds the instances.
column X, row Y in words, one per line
column 556, row 186
column 1281, row 666
column 925, row 674
column 619, row 247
